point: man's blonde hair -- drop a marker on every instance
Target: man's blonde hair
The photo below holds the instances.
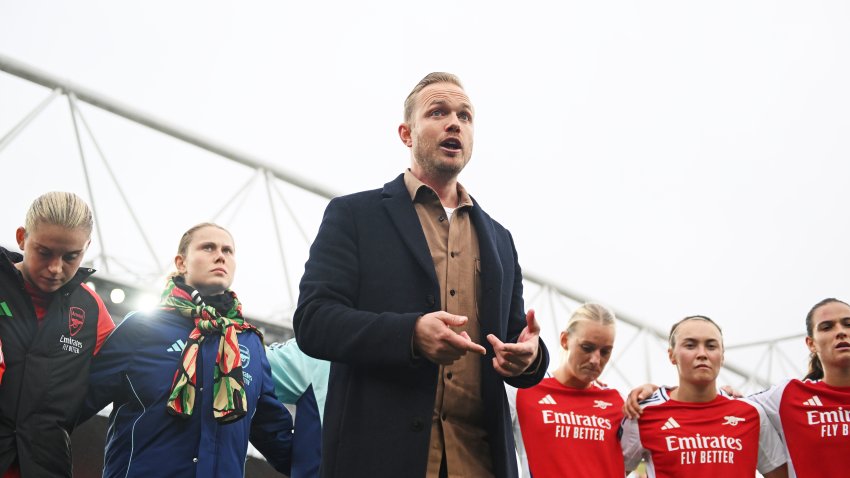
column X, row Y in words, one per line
column 60, row 209
column 430, row 79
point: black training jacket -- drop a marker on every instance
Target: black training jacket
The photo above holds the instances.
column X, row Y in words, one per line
column 47, row 370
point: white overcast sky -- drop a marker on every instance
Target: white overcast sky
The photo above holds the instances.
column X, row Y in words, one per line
column 667, row 158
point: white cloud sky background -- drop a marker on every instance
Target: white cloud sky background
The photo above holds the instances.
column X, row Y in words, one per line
column 667, row 158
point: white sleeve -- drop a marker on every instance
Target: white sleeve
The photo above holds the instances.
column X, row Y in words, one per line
column 522, row 457
column 771, row 449
column 769, row 401
column 633, row 450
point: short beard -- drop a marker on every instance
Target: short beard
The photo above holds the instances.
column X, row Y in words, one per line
column 436, row 169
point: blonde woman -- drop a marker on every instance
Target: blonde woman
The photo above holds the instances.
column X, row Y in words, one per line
column 568, row 422
column 51, row 325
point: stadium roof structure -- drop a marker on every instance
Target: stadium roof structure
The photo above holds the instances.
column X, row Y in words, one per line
column 271, row 210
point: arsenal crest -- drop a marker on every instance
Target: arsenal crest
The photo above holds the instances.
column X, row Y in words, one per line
column 76, row 318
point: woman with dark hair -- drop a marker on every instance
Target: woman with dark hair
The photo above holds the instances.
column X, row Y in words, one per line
column 694, row 431
column 189, row 382
column 813, row 415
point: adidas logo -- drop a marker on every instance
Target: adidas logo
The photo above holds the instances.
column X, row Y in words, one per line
column 734, row 421
column 177, row 346
column 601, row 404
column 813, row 402
column 670, row 424
column 547, row 400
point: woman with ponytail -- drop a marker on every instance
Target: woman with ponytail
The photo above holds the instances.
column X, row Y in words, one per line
column 51, row 325
column 692, row 430
column 552, row 448
column 189, row 382
column 813, row 414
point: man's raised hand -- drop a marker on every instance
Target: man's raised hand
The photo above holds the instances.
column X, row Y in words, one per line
column 514, row 359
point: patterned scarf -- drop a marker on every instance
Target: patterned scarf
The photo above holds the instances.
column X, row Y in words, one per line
column 228, row 388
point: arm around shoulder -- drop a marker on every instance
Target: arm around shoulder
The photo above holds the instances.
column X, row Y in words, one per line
column 633, row 451
column 108, row 366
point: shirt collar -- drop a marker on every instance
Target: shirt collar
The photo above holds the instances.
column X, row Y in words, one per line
column 415, row 186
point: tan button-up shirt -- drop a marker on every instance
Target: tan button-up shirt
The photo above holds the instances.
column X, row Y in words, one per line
column 457, row 424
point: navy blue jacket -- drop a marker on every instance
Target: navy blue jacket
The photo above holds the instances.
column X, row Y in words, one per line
column 369, row 277
column 134, row 370
column 302, row 381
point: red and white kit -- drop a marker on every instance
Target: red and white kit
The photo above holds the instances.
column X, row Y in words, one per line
column 570, row 432
column 814, row 421
column 724, row 437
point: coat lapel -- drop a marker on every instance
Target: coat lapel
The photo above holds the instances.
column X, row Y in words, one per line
column 491, row 272
column 400, row 208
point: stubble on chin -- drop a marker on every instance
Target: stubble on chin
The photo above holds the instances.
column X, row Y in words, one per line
column 434, row 168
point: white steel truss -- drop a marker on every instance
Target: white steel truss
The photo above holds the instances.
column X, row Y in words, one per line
column 641, row 346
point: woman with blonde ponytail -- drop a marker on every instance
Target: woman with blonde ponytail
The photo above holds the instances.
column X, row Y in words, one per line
column 51, row 325
column 586, row 443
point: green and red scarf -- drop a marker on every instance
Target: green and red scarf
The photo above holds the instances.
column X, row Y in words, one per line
column 228, row 388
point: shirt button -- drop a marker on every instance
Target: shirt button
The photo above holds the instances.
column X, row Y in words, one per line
column 452, row 254
column 449, row 375
column 416, row 425
column 452, row 292
column 443, row 416
column 201, row 389
column 442, row 218
column 194, row 460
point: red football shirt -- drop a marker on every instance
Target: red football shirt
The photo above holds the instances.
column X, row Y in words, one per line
column 724, row 437
column 570, row 432
column 814, row 421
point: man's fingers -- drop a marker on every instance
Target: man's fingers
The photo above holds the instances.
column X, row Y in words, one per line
column 511, row 351
column 533, row 326
column 472, row 346
column 450, row 319
column 494, row 341
column 501, row 370
column 434, row 338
